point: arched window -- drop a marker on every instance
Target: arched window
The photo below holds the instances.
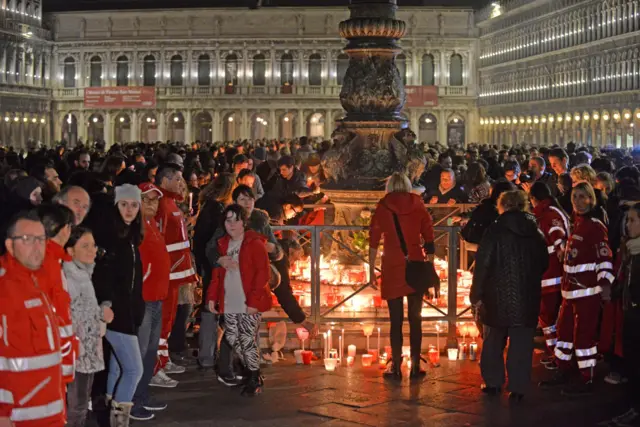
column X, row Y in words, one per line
column 428, row 70
column 122, row 71
column 341, row 67
column 204, row 70
column 231, row 70
column 401, row 63
column 176, row 70
column 455, row 71
column 259, row 68
column 315, row 70
column 149, row 71
column 95, row 74
column 286, row 70
column 69, row 72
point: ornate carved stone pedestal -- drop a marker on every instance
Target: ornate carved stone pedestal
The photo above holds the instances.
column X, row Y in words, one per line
column 373, row 140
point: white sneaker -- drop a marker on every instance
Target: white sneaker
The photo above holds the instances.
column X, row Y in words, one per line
column 172, row 368
column 161, row 379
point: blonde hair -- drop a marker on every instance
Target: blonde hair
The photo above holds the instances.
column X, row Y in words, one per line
column 513, row 201
column 587, row 188
column 398, row 183
column 583, row 173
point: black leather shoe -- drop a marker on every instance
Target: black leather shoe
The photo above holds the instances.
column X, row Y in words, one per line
column 392, row 371
column 490, row 391
column 416, row 371
column 559, row 378
column 516, row 397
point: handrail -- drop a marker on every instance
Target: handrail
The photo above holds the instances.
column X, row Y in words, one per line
column 451, row 315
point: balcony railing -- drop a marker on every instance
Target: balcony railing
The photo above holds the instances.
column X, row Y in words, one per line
column 25, row 89
column 224, row 91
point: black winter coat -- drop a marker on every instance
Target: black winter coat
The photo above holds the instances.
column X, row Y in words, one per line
column 209, row 219
column 482, row 217
column 117, row 277
column 511, row 259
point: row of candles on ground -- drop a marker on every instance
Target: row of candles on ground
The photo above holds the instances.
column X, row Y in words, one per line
column 333, row 357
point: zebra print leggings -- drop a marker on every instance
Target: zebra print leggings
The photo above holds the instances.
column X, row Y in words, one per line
column 241, row 331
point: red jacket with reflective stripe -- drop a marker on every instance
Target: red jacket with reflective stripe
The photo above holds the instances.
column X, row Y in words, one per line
column 31, row 388
column 171, row 224
column 555, row 227
column 588, row 260
column 54, row 284
column 156, row 264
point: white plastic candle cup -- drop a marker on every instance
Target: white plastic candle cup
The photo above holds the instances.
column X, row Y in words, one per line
column 298, row 355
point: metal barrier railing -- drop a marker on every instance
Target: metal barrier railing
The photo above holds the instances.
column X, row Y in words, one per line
column 323, row 312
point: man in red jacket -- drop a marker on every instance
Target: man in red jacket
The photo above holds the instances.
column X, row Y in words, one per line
column 57, row 221
column 171, row 224
column 156, row 267
column 30, row 363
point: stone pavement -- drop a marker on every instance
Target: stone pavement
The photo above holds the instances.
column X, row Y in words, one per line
column 309, row 396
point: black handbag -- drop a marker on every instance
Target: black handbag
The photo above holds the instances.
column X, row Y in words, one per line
column 420, row 275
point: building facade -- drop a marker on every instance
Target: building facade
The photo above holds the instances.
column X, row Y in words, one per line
column 25, row 68
column 555, row 71
column 226, row 74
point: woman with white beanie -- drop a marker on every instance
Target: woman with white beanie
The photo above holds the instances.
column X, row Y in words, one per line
column 117, row 279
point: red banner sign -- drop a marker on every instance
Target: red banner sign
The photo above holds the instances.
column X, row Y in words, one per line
column 421, row 96
column 120, row 97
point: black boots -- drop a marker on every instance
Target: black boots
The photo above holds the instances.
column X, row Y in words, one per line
column 253, row 385
column 393, row 370
column 416, row 371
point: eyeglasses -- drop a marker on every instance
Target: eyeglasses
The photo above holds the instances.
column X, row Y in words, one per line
column 28, row 239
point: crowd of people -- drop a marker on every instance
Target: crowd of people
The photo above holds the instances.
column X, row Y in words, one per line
column 108, row 254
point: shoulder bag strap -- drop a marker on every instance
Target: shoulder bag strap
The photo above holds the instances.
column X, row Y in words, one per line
column 396, row 221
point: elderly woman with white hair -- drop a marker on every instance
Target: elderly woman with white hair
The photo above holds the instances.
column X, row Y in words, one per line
column 405, row 225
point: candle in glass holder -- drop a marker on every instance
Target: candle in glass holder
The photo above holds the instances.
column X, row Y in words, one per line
column 350, row 360
column 351, row 350
column 473, row 351
column 330, row 364
column 434, row 355
column 462, row 353
column 374, row 353
column 452, row 353
column 366, row 360
column 406, row 350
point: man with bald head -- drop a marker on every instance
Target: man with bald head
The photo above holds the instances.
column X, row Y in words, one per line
column 76, row 199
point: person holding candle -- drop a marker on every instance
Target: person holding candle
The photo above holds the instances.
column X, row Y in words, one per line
column 505, row 294
column 241, row 290
column 417, row 228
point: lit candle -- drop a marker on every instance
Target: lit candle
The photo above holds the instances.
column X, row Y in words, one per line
column 340, row 346
column 452, row 353
column 378, row 347
column 324, row 345
column 350, row 360
column 329, row 340
column 330, row 364
column 434, row 356
column 473, row 351
column 438, row 337
column 351, row 350
column 462, row 354
column 366, row 360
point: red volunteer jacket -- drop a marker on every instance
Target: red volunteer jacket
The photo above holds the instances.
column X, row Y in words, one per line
column 254, row 271
column 171, row 224
column 156, row 264
column 31, row 388
column 555, row 227
column 54, row 284
column 588, row 260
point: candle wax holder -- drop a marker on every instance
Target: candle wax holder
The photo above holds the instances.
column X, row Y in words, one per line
column 366, row 360
column 330, row 364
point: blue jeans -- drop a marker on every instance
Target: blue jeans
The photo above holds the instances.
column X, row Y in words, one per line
column 148, row 339
column 208, row 338
column 125, row 366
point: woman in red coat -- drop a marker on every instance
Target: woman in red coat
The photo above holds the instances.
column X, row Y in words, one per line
column 417, row 229
column 241, row 292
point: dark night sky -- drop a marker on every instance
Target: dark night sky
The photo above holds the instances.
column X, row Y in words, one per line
column 68, row 5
